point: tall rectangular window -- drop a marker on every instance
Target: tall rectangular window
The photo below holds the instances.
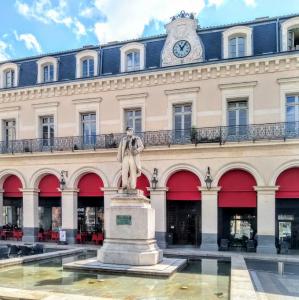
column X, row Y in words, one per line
column 133, row 119
column 292, row 113
column 48, row 73
column 9, row 78
column 237, row 47
column 88, row 127
column 88, row 67
column 47, row 130
column 237, row 117
column 9, row 130
column 182, row 116
column 293, row 39
column 133, row 61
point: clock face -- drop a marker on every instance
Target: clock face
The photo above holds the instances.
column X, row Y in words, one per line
column 181, row 48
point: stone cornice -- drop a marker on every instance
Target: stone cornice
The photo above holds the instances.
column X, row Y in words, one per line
column 237, row 85
column 87, row 100
column 222, row 69
column 288, row 80
column 10, row 108
column 45, row 105
column 131, row 96
column 182, row 91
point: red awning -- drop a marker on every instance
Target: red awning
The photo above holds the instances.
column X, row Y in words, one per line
column 237, row 189
column 49, row 186
column 183, row 185
column 12, row 186
column 90, row 186
column 288, row 182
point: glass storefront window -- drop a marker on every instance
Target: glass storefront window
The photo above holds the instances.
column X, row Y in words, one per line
column 241, row 226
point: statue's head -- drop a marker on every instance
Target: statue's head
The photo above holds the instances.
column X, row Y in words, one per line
column 130, row 131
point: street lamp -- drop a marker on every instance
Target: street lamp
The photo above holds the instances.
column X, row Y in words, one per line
column 208, row 179
column 154, row 179
column 62, row 179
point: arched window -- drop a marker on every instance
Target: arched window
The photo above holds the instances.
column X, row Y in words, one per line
column 237, row 42
column 9, row 75
column 48, row 73
column 86, row 63
column 88, row 67
column 237, row 46
column 47, row 70
column 290, row 34
column 132, row 57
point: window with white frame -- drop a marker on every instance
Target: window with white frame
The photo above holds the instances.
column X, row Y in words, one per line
column 47, row 130
column 237, row 42
column 293, row 39
column 237, row 46
column 88, row 67
column 133, row 119
column 86, row 63
column 237, row 116
column 133, row 61
column 182, row 120
column 48, row 71
column 132, row 57
column 9, row 78
column 88, row 128
column 292, row 114
column 9, row 130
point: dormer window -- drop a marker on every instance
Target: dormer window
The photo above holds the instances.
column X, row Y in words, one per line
column 133, row 61
column 293, row 41
column 47, row 69
column 237, row 42
column 132, row 57
column 86, row 63
column 9, row 74
column 290, row 34
column 88, row 67
column 237, row 46
column 48, row 73
column 9, row 78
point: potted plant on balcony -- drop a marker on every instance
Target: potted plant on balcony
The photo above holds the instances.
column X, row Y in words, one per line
column 193, row 135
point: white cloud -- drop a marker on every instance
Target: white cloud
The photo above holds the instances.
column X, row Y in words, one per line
column 30, row 41
column 87, row 12
column 44, row 11
column 126, row 20
column 3, row 51
column 250, row 2
column 215, row 2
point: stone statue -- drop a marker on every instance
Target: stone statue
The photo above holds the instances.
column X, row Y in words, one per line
column 129, row 150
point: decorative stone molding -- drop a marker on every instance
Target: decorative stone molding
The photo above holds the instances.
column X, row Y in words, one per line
column 237, row 85
column 266, row 189
column 6, row 67
column 182, row 29
column 45, row 105
column 41, row 63
column 80, row 56
column 183, row 74
column 124, row 50
column 9, row 108
column 285, row 27
column 87, row 100
column 131, row 96
column 182, row 91
column 243, row 31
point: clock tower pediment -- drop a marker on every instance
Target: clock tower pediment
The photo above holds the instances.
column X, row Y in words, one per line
column 182, row 45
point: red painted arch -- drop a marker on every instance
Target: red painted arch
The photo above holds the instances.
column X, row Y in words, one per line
column 237, row 189
column 288, row 182
column 12, row 186
column 183, row 185
column 90, row 185
column 49, row 186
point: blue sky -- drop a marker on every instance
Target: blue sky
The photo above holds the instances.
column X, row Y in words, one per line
column 31, row 27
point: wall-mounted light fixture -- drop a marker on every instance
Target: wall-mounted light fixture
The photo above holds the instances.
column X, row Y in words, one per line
column 154, row 179
column 62, row 179
column 208, row 179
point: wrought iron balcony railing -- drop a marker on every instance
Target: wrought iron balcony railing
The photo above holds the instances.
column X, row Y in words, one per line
column 219, row 134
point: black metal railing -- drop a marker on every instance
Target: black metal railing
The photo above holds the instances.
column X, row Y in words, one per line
column 219, row 134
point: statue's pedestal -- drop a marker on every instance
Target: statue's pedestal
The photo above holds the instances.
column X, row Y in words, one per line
column 130, row 232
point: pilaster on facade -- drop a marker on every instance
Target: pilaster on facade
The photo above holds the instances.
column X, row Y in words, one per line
column 266, row 218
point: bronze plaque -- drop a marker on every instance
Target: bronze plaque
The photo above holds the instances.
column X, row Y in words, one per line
column 123, row 220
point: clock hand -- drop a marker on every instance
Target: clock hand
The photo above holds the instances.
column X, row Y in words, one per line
column 183, row 46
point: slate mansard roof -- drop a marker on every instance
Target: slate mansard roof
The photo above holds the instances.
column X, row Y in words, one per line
column 266, row 41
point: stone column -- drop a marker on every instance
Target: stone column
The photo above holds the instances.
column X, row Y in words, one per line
column 109, row 193
column 30, row 215
column 69, row 212
column 158, row 202
column 209, row 218
column 266, row 219
column 1, row 208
